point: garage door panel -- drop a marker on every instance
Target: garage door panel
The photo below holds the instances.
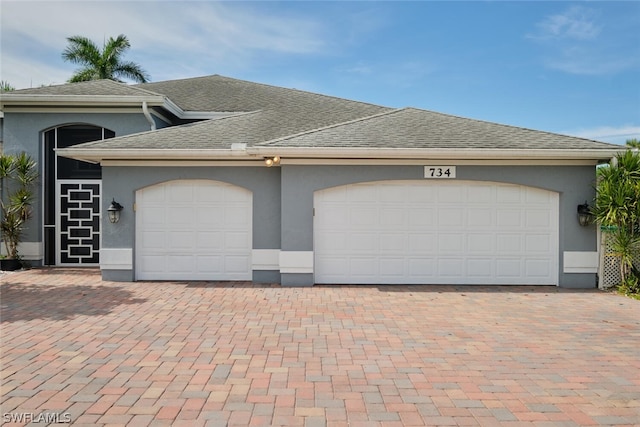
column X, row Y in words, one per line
column 480, row 268
column 235, row 240
column 181, row 240
column 180, row 216
column 537, row 218
column 193, row 230
column 445, row 232
column 481, row 242
column 392, row 217
column 392, row 268
column 451, row 267
column 152, row 240
column 480, row 195
column 152, row 195
column 394, row 243
column 181, row 263
column 361, row 193
column 451, row 243
column 537, row 243
column 451, row 194
column 209, row 263
column 362, row 217
column 509, row 243
column 422, row 269
column 152, row 263
column 421, row 217
column 237, row 264
column 424, row 243
column 480, row 217
column 450, row 217
column 363, row 242
column 210, row 241
column 420, row 194
column 236, row 216
column 508, row 194
column 152, row 216
column 509, row 219
column 208, row 216
column 180, row 194
column 509, row 268
column 534, row 196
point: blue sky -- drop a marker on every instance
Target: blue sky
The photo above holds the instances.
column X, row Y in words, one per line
column 558, row 66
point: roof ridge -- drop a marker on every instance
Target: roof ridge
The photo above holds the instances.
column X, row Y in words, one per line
column 100, row 83
column 333, row 126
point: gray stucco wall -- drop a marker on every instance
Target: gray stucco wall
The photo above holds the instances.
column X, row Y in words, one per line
column 575, row 184
column 23, row 132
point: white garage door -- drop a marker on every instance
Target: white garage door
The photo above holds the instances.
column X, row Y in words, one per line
column 414, row 232
column 193, row 230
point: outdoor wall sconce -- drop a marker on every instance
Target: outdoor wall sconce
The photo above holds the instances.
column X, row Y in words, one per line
column 114, row 211
column 270, row 161
column 584, row 214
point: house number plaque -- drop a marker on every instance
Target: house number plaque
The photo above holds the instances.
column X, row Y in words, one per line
column 439, row 172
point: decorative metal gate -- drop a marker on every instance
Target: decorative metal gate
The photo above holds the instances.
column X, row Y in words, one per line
column 78, row 240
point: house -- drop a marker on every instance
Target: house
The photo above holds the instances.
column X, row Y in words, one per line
column 223, row 179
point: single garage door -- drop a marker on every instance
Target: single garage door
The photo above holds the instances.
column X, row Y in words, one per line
column 415, row 232
column 193, row 230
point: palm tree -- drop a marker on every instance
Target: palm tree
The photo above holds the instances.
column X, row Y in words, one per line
column 102, row 64
column 633, row 143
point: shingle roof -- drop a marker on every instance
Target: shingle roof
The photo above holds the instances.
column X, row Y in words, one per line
column 275, row 113
column 270, row 117
column 93, row 88
column 415, row 128
column 224, row 94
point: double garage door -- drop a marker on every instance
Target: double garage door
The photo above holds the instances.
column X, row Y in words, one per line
column 436, row 232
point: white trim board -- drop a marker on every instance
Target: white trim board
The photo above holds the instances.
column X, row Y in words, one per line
column 296, row 262
column 580, row 262
column 116, row 259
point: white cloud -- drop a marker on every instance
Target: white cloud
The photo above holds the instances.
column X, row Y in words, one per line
column 575, row 42
column 576, row 23
column 202, row 34
column 612, row 134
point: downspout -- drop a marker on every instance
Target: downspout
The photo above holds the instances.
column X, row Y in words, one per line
column 145, row 111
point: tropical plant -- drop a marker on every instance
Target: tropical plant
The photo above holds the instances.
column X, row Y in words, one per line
column 102, row 64
column 633, row 143
column 18, row 174
column 5, row 86
column 617, row 207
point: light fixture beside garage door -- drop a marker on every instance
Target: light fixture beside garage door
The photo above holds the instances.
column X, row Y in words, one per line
column 585, row 217
column 270, row 161
column 114, row 210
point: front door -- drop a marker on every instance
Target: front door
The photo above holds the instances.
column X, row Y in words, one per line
column 72, row 199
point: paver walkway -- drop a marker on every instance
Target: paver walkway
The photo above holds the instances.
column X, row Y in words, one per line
column 86, row 352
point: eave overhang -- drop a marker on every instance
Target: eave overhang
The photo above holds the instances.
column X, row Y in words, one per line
column 253, row 153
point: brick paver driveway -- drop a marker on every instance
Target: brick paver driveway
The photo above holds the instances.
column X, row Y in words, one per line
column 78, row 350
